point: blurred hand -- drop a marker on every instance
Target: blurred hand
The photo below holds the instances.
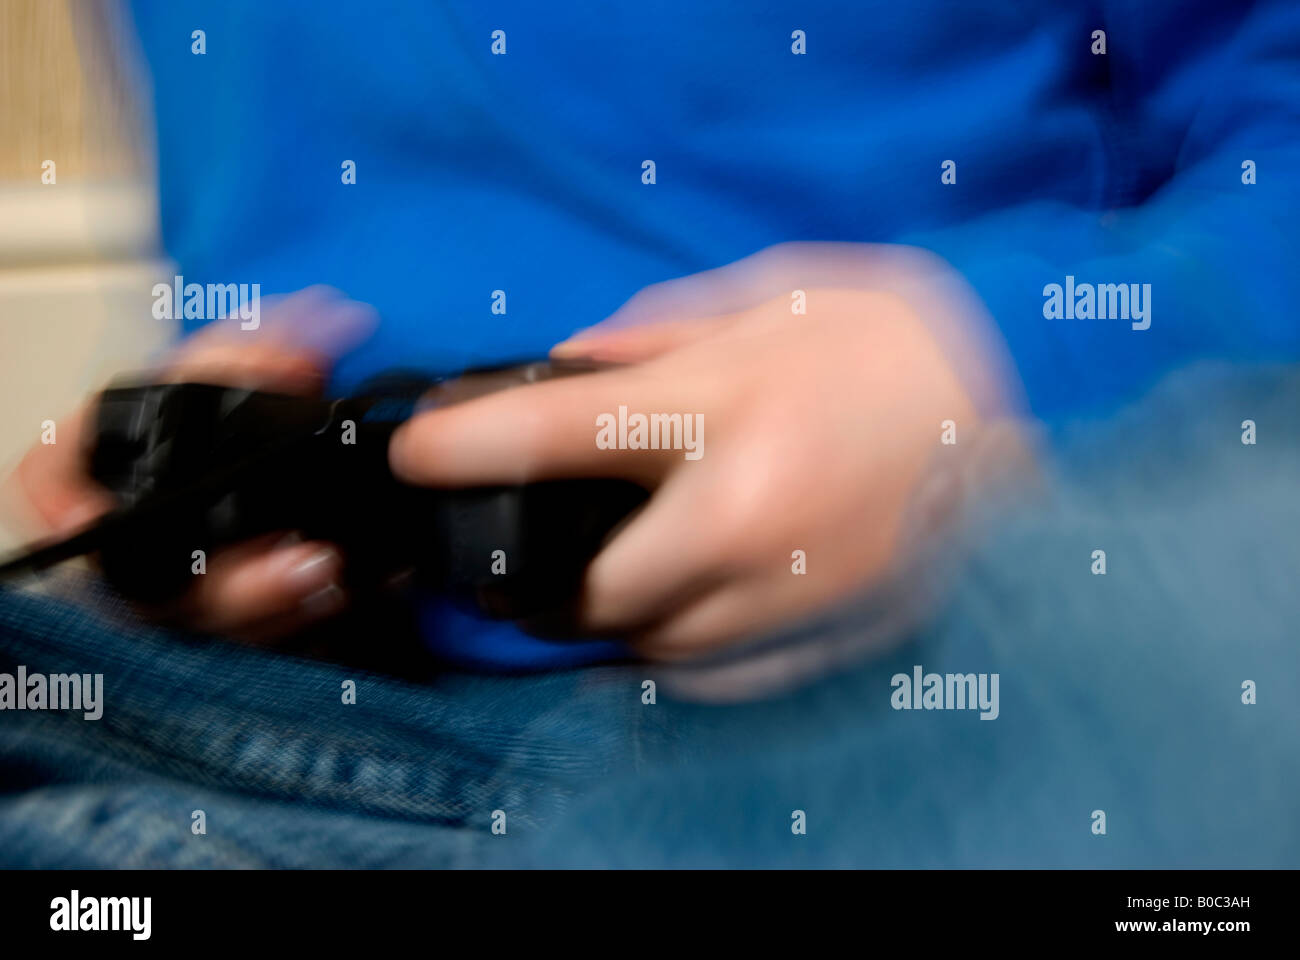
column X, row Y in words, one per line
column 260, row 589
column 820, row 432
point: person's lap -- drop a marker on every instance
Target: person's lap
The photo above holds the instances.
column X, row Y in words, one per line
column 1120, row 693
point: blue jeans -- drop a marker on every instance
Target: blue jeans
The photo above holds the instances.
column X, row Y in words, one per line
column 1120, row 693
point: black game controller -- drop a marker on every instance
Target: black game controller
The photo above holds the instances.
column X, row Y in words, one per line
column 196, row 466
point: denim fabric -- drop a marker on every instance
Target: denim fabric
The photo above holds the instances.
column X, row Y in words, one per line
column 287, row 774
column 1119, row 693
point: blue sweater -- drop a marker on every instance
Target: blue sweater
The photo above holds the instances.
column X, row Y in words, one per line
column 522, row 172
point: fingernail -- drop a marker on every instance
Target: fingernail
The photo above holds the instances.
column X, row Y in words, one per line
column 318, row 571
column 571, row 348
column 324, row 601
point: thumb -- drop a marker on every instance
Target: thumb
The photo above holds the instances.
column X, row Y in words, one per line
column 618, row 341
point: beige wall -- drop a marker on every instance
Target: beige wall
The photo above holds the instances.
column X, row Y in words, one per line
column 63, row 95
column 78, row 258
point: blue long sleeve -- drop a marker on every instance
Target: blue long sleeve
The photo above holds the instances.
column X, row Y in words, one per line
column 520, row 169
column 1193, row 96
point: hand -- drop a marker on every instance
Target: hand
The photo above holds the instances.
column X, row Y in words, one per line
column 820, row 431
column 263, row 588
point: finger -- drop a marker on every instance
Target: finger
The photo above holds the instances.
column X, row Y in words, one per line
column 747, row 605
column 290, row 352
column 256, row 582
column 316, row 608
column 260, row 366
column 53, row 479
column 535, row 432
column 318, row 319
column 613, row 342
column 714, row 620
column 663, row 560
column 728, row 289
